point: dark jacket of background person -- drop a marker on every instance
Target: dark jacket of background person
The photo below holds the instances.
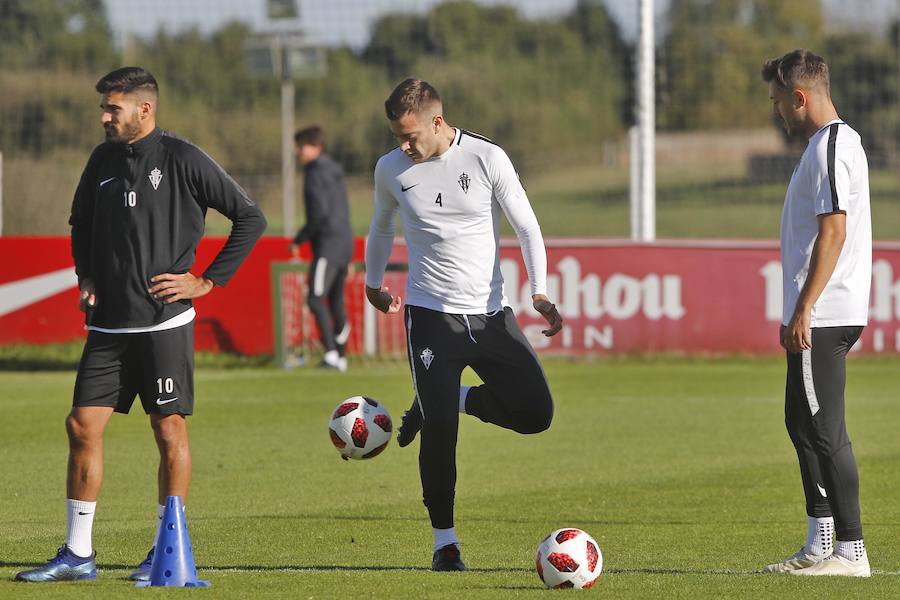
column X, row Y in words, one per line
column 327, row 225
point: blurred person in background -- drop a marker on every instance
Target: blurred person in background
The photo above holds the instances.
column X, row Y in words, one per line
column 137, row 219
column 826, row 260
column 328, row 231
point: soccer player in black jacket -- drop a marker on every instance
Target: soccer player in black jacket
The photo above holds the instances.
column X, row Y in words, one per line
column 328, row 230
column 137, row 218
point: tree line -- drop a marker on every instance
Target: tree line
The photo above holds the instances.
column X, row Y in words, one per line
column 548, row 90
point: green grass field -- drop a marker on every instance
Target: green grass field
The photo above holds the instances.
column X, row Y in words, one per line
column 680, row 468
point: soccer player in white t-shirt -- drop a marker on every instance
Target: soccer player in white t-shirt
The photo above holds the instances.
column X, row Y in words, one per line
column 450, row 187
column 826, row 259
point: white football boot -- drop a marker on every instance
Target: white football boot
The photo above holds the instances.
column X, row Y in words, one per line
column 802, row 559
column 838, row 565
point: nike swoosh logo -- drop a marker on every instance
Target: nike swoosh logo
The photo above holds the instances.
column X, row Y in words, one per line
column 160, row 401
column 405, row 189
column 31, row 290
column 822, row 491
column 82, row 514
column 105, row 181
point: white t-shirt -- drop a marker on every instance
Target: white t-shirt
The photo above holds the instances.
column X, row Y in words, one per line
column 832, row 176
column 450, row 208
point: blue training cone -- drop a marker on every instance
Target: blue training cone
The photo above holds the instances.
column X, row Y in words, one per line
column 173, row 561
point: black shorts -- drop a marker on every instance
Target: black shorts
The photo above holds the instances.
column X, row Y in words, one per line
column 157, row 365
column 441, row 345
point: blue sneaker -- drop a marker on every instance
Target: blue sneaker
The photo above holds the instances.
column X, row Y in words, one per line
column 142, row 571
column 65, row 566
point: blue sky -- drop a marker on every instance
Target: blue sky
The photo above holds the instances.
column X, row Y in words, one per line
column 333, row 22
column 347, row 22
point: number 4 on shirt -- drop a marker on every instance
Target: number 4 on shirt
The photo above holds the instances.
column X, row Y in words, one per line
column 438, row 200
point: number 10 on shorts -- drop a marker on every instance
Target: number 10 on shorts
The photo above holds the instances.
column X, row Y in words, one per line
column 166, row 385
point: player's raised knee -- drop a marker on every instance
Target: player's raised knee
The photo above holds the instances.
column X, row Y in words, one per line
column 540, row 422
column 539, row 419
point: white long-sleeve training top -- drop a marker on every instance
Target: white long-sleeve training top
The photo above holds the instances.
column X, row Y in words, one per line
column 450, row 209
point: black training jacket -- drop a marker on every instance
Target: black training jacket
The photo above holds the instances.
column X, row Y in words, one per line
column 140, row 211
column 327, row 214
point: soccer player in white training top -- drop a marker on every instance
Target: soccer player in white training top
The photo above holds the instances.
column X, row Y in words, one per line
column 450, row 187
column 826, row 260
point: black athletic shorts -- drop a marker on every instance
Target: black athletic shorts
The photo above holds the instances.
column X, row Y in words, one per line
column 157, row 365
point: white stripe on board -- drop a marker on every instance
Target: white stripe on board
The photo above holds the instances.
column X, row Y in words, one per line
column 15, row 295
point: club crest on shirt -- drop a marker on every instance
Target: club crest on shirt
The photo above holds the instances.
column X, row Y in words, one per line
column 464, row 182
column 155, row 177
column 427, row 356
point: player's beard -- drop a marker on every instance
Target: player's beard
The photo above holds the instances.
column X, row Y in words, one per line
column 125, row 131
column 787, row 127
column 792, row 125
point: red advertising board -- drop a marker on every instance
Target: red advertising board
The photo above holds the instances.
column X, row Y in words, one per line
column 694, row 297
column 676, row 296
column 39, row 298
column 615, row 297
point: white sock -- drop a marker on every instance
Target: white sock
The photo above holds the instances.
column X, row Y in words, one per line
column 819, row 531
column 80, row 525
column 852, row 550
column 444, row 537
column 463, row 392
column 331, row 357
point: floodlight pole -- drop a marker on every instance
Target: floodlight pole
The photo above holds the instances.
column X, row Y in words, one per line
column 287, row 55
column 643, row 221
column 634, row 180
column 288, row 187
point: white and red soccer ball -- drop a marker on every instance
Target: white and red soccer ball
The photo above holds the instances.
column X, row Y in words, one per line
column 569, row 558
column 360, row 428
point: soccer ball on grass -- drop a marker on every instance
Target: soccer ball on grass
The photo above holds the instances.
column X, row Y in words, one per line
column 360, row 428
column 568, row 558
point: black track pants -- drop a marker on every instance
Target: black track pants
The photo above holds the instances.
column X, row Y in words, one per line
column 326, row 283
column 814, row 415
column 515, row 394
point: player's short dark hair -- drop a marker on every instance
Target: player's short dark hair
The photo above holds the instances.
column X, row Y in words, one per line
column 795, row 68
column 410, row 96
column 313, row 135
column 127, row 80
